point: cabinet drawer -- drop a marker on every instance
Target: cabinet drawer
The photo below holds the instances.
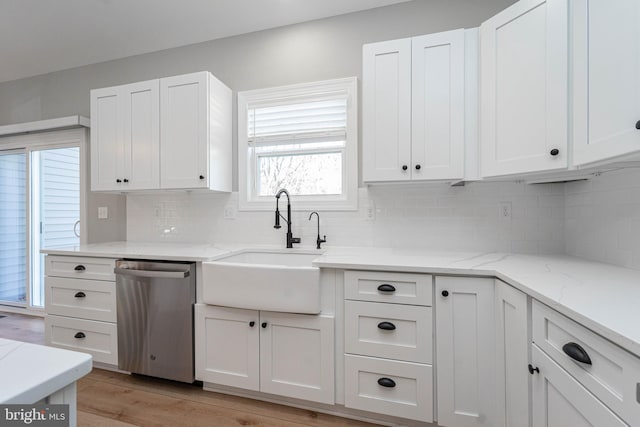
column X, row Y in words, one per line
column 613, row 375
column 80, row 267
column 410, row 395
column 391, row 331
column 403, row 288
column 100, row 338
column 86, row 299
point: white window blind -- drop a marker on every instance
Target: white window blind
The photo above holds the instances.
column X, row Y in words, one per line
column 300, row 121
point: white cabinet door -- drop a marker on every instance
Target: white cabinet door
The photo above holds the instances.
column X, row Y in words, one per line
column 606, row 79
column 512, row 356
column 560, row 401
column 227, row 346
column 297, row 356
column 184, row 131
column 465, row 351
column 141, row 135
column 438, row 104
column 386, row 111
column 107, row 142
column 523, row 89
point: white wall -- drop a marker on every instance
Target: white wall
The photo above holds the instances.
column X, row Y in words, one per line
column 424, row 216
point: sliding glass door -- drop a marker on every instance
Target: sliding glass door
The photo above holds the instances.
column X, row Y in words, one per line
column 13, row 228
column 39, row 207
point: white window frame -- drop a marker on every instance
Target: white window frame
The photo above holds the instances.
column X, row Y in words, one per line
column 348, row 200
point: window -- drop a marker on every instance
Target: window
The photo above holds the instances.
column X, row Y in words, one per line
column 302, row 138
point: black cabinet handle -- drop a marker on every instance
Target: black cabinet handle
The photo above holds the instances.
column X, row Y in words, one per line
column 252, row 324
column 577, row 353
column 79, row 268
column 554, row 152
column 386, row 382
column 418, row 167
column 387, row 326
column 125, row 180
column 532, row 369
column 638, row 125
column 80, row 295
column 386, row 288
column 445, row 293
column 264, row 324
column 79, row 335
column 118, row 180
column 201, row 176
column 405, row 167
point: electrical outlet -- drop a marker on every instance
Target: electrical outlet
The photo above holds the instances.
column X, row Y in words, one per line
column 505, row 211
column 370, row 212
column 103, row 212
column 230, row 212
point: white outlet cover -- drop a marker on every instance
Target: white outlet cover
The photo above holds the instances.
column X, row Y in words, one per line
column 230, row 212
column 103, row 212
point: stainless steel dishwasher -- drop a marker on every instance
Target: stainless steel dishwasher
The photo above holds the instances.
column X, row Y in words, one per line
column 155, row 318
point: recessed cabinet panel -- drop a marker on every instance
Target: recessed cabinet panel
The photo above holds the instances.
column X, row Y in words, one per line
column 391, row 287
column 107, row 150
column 606, row 78
column 386, row 84
column 524, row 110
column 100, row 339
column 437, row 133
column 183, row 116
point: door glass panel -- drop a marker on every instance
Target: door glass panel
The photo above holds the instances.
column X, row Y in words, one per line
column 55, row 208
column 13, row 231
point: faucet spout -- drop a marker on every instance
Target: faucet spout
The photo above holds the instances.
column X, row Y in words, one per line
column 290, row 239
column 319, row 241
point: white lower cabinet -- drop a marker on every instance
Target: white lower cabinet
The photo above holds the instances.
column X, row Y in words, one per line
column 279, row 353
column 465, row 352
column 560, row 401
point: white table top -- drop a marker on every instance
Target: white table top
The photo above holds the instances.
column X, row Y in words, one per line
column 31, row 372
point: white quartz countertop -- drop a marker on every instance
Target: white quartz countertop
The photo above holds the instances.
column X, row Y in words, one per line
column 31, row 372
column 603, row 297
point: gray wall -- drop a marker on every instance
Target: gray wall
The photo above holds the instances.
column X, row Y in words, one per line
column 316, row 50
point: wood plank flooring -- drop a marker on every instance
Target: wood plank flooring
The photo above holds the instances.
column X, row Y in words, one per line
column 111, row 399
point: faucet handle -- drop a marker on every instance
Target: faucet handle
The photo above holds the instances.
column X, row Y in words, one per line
column 320, row 241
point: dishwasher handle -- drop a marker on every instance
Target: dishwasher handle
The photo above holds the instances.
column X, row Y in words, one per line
column 152, row 273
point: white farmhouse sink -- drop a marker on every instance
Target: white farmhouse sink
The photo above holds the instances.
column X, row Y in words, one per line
column 264, row 280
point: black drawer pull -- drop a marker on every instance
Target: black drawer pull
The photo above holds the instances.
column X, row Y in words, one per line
column 577, row 353
column 201, row 176
column 532, row 369
column 554, row 152
column 79, row 335
column 405, row 167
column 80, row 295
column 79, row 268
column 386, row 288
column 387, row 326
column 386, row 382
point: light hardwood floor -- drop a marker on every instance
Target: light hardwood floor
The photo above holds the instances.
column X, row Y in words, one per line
column 111, row 399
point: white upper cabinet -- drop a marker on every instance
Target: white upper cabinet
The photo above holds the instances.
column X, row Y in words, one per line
column 386, row 111
column 125, row 137
column 171, row 133
column 523, row 89
column 606, row 79
column 414, row 108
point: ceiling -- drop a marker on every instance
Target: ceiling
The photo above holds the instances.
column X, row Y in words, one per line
column 41, row 36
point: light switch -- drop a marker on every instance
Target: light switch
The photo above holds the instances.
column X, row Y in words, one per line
column 103, row 212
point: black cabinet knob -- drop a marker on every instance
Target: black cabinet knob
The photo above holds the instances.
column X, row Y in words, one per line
column 405, row 167
column 638, row 125
column 385, row 287
column 577, row 353
column 445, row 293
column 532, row 369
column 201, row 176
column 79, row 335
column 252, row 324
column 264, row 324
column 125, row 180
column 386, row 326
column 554, row 152
column 79, row 268
column 118, row 180
column 80, row 295
column 386, row 382
column 418, row 167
